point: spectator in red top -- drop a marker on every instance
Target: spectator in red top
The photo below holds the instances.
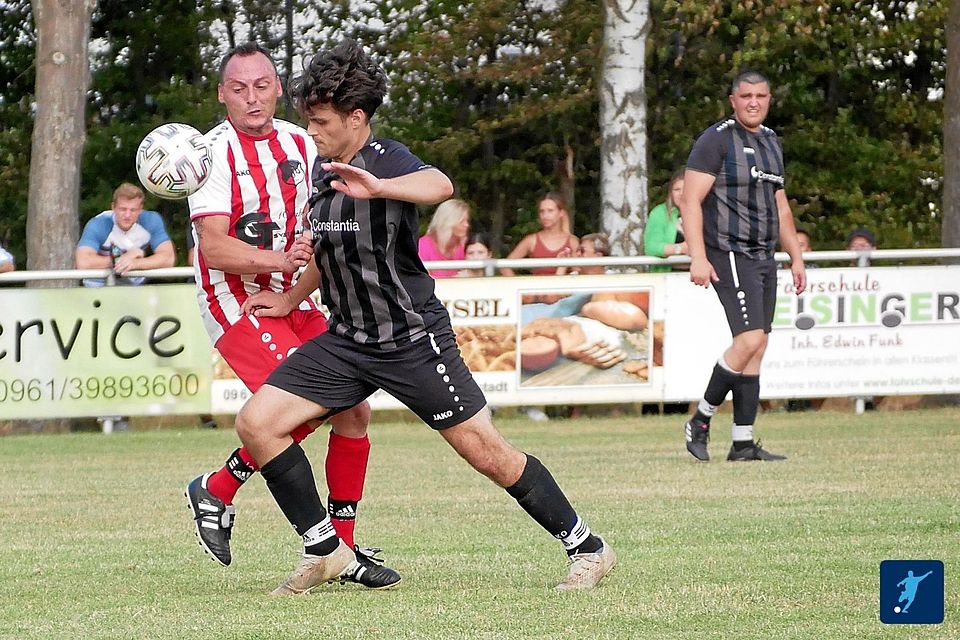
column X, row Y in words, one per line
column 554, row 239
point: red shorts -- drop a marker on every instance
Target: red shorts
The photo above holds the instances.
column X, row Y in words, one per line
column 253, row 347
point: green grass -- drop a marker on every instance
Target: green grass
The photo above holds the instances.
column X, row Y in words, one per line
column 96, row 540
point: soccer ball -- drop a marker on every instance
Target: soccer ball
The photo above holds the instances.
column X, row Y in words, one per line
column 173, row 161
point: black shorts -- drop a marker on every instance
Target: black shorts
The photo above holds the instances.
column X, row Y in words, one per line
column 428, row 375
column 747, row 289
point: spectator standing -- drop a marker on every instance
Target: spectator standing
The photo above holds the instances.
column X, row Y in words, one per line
column 446, row 237
column 554, row 240
column 663, row 235
column 124, row 238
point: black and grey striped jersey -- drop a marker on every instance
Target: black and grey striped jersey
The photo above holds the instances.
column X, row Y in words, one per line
column 740, row 212
column 373, row 282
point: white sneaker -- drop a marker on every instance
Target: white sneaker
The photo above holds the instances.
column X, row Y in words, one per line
column 585, row 570
column 314, row 570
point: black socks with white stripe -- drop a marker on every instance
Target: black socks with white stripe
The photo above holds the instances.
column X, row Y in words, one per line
column 289, row 478
column 540, row 496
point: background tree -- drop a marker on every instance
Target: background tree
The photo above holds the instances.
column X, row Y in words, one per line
column 63, row 32
column 950, row 233
column 623, row 125
column 504, row 96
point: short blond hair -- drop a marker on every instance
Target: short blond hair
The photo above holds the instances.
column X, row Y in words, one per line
column 127, row 191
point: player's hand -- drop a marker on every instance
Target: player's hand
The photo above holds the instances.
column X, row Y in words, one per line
column 355, row 182
column 125, row 262
column 702, row 272
column 299, row 254
column 799, row 277
column 268, row 304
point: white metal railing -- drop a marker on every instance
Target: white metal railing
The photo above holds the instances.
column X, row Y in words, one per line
column 491, row 266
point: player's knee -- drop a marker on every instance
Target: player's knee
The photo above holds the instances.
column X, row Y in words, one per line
column 751, row 342
column 353, row 422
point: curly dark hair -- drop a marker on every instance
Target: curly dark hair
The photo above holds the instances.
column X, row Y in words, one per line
column 344, row 77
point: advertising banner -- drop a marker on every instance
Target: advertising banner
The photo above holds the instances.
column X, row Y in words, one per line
column 537, row 340
column 858, row 331
column 108, row 351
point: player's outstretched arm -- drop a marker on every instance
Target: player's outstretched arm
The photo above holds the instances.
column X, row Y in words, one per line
column 427, row 186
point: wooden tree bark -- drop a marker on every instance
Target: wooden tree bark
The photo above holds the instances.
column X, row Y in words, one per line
column 59, row 132
column 950, row 229
column 623, row 124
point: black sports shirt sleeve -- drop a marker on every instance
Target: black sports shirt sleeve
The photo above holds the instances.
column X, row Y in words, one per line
column 708, row 152
column 395, row 160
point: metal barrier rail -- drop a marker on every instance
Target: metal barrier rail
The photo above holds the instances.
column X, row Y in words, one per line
column 491, row 266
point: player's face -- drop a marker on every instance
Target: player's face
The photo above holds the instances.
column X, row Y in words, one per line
column 249, row 89
column 676, row 191
column 549, row 213
column 751, row 104
column 477, row 251
column 126, row 212
column 462, row 228
column 334, row 133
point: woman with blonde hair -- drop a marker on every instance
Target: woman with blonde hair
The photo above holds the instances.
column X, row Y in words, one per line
column 446, row 237
column 554, row 239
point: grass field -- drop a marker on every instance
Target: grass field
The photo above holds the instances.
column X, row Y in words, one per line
column 96, row 540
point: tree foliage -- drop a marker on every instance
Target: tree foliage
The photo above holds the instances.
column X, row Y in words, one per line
column 503, row 96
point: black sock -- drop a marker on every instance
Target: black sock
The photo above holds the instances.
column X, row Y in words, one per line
column 540, row 496
column 746, row 399
column 722, row 380
column 289, row 478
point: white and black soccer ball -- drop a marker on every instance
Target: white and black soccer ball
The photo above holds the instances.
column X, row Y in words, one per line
column 173, row 161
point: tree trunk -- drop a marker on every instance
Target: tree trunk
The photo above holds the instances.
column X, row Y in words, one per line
column 623, row 126
column 59, row 133
column 950, row 227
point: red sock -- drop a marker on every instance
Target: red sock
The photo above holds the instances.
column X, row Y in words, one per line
column 225, row 483
column 346, row 469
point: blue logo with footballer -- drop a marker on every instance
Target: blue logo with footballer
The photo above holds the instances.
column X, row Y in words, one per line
column 911, row 592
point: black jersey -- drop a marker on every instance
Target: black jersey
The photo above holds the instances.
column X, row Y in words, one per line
column 740, row 212
column 373, row 281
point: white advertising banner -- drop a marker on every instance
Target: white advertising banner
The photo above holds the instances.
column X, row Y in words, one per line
column 539, row 340
column 101, row 352
column 856, row 331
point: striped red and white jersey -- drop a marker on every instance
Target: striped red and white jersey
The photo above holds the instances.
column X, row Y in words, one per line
column 262, row 184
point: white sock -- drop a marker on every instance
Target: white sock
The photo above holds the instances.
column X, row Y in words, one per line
column 706, row 408
column 742, row 432
column 319, row 532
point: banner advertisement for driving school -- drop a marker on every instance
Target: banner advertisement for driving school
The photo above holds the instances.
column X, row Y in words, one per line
column 858, row 331
column 108, row 351
column 536, row 340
